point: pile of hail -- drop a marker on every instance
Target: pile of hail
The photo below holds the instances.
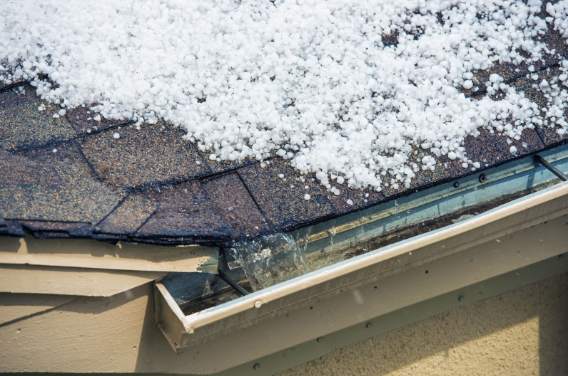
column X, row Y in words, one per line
column 312, row 81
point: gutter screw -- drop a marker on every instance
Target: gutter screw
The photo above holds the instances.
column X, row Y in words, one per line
column 461, row 297
column 368, row 325
column 456, row 184
column 256, row 366
column 482, row 178
column 319, row 339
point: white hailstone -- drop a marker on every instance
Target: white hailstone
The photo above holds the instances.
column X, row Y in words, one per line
column 350, row 202
column 56, row 116
column 116, row 135
column 62, row 112
column 306, row 197
column 513, row 150
column 468, row 84
column 307, row 81
column 212, row 157
column 54, row 150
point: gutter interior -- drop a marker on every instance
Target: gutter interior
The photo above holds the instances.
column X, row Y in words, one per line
column 261, row 263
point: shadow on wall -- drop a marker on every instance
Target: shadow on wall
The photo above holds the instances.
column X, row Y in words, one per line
column 518, row 333
column 553, row 326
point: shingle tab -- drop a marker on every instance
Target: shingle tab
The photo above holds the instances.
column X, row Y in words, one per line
column 218, row 166
column 128, row 216
column 350, row 199
column 423, row 178
column 64, row 229
column 281, row 199
column 492, row 148
column 237, row 206
column 557, row 50
column 81, row 118
column 16, row 170
column 23, row 126
column 150, row 155
column 76, row 197
column 534, row 93
column 184, row 211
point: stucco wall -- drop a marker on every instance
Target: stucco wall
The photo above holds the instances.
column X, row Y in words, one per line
column 524, row 332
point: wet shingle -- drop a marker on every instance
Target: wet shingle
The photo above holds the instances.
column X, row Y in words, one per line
column 65, row 229
column 553, row 40
column 150, row 155
column 534, row 92
column 23, row 126
column 237, row 206
column 128, row 216
column 279, row 192
column 12, row 228
column 81, row 118
column 76, row 197
column 423, row 177
column 218, row 166
column 350, row 199
column 184, row 211
column 557, row 50
column 492, row 148
column 509, row 73
column 16, row 170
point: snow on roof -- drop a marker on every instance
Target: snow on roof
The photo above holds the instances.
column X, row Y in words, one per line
column 311, row 81
column 268, row 97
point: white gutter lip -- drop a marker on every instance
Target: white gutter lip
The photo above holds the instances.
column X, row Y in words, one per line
column 343, row 268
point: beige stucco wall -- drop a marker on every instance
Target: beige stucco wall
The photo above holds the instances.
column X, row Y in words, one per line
column 524, row 332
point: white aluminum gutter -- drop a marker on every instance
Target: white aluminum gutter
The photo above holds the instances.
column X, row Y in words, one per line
column 475, row 243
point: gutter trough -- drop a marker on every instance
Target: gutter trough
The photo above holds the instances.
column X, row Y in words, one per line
column 380, row 260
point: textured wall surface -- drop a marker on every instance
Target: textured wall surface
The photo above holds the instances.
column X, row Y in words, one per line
column 523, row 332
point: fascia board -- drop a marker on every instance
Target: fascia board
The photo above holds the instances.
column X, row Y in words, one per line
column 92, row 254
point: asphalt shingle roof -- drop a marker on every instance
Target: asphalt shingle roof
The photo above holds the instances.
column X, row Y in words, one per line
column 69, row 177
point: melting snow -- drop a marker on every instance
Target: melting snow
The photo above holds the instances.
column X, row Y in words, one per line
column 307, row 80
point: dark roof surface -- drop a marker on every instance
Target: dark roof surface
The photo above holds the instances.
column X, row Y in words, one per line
column 69, row 177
